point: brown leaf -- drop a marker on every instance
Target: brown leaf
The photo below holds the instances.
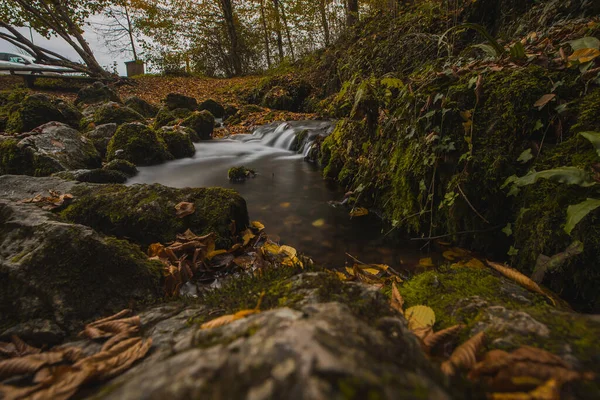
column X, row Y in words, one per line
column 184, row 209
column 227, row 319
column 397, row 302
column 521, row 279
column 550, row 390
column 28, row 364
column 545, row 99
column 430, row 341
column 464, row 356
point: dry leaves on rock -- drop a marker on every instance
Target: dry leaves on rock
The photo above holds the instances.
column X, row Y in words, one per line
column 227, row 319
column 419, row 317
column 432, row 340
column 397, row 302
column 464, row 356
column 521, row 279
column 523, row 370
column 550, row 390
column 184, row 209
column 359, row 212
column 17, row 348
column 60, row 373
column 55, row 200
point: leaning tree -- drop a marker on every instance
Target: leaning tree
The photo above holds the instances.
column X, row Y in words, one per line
column 51, row 18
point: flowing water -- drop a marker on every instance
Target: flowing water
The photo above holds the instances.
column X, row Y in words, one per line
column 288, row 195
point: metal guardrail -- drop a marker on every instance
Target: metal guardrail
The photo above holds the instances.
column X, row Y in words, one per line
column 51, row 73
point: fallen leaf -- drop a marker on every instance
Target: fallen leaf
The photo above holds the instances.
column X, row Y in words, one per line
column 419, row 317
column 397, row 302
column 521, row 279
column 464, row 356
column 257, row 225
column 545, row 99
column 247, row 235
column 434, row 339
column 426, row 262
column 288, row 250
column 214, row 253
column 318, row 223
column 550, row 390
column 184, row 209
column 359, row 212
column 582, row 56
column 285, row 204
column 455, row 253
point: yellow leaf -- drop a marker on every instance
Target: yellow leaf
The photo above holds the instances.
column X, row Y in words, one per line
column 521, row 279
column 372, row 271
column 290, row 251
column 359, row 212
column 584, row 55
column 284, row 204
column 426, row 262
column 214, row 253
column 247, row 236
column 397, row 302
column 270, row 248
column 350, row 271
column 455, row 253
column 382, row 267
column 432, row 340
column 227, row 319
column 419, row 317
column 318, row 223
column 257, row 225
column 341, row 276
column 155, row 249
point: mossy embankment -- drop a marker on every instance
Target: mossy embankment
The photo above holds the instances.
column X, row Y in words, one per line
column 431, row 127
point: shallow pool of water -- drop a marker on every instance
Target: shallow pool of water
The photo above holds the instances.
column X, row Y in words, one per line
column 288, row 195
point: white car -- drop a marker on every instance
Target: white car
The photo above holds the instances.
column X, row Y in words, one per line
column 21, row 64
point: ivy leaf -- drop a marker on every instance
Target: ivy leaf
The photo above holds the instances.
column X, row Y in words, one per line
column 594, row 138
column 545, row 99
column 577, row 212
column 568, row 175
column 587, row 42
column 525, row 156
column 507, row 230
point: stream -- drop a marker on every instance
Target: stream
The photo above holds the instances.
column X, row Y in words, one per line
column 288, row 195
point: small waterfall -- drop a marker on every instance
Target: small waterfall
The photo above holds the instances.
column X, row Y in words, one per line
column 296, row 136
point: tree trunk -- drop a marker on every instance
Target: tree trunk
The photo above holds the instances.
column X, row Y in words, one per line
column 228, row 15
column 323, row 12
column 265, row 32
column 130, row 32
column 352, row 12
column 278, row 29
column 287, row 32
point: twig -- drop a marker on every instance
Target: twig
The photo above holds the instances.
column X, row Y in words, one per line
column 459, row 233
column 471, row 205
column 389, row 268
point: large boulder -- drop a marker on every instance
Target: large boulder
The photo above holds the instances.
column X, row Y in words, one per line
column 181, row 129
column 98, row 175
column 136, row 143
column 164, row 117
column 96, row 93
column 55, row 274
column 278, row 98
column 146, row 213
column 123, row 166
column 33, row 111
column 213, row 107
column 318, row 345
column 202, row 122
column 52, row 147
column 142, row 106
column 101, row 135
column 174, row 101
column 179, row 142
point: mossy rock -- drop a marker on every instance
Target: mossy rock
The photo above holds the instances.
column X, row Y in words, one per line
column 96, row 93
column 511, row 315
column 164, row 117
column 202, row 122
column 71, row 115
column 16, row 159
column 66, row 274
column 213, row 107
column 100, row 136
column 179, row 143
column 138, row 144
column 116, row 113
column 142, row 107
column 146, row 214
column 174, row 101
column 240, row 174
column 123, row 166
column 181, row 113
column 278, row 98
column 181, row 130
column 99, row 175
column 33, row 111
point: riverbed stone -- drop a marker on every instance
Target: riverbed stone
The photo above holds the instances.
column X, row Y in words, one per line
column 146, row 214
column 98, row 175
column 178, row 141
column 138, row 144
column 101, row 135
column 202, row 122
column 140, row 105
column 216, row 109
column 52, row 147
column 34, row 110
column 61, row 273
column 123, row 166
column 113, row 112
column 176, row 100
column 96, row 93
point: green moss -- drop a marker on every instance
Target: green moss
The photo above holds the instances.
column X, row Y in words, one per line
column 116, row 113
column 179, row 143
column 213, row 107
column 240, row 174
column 163, row 118
column 33, row 111
column 138, row 144
column 142, row 107
column 17, row 160
column 176, row 100
column 122, row 166
column 146, row 213
column 278, row 98
column 202, row 122
column 589, row 117
column 96, row 93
